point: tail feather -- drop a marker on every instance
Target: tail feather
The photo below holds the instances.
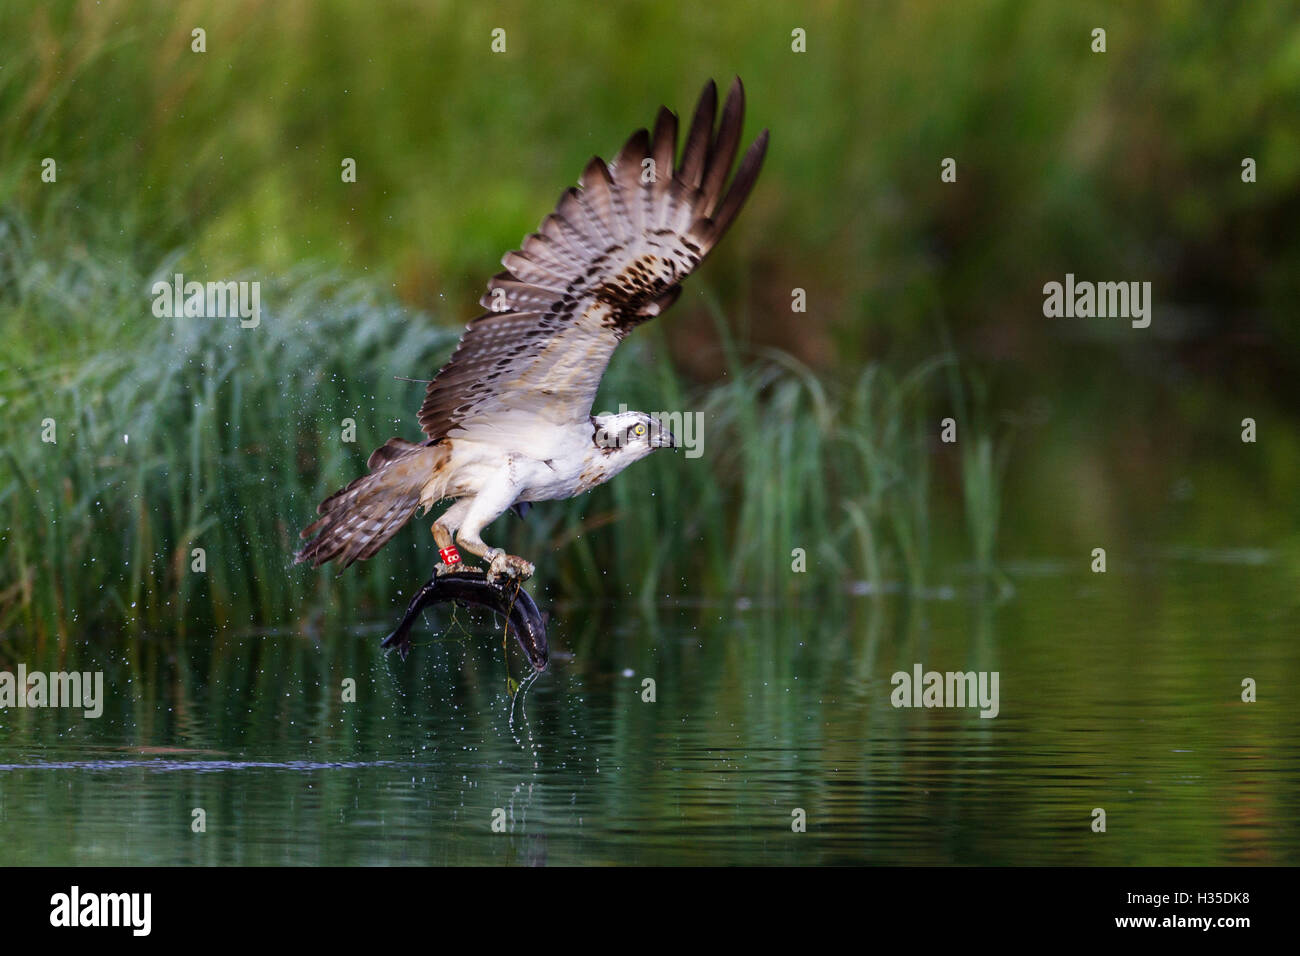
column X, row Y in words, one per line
column 358, row 520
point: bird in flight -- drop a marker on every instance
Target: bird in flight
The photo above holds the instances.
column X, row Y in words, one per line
column 507, row 421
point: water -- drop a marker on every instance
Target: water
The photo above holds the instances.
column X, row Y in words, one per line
column 1119, row 691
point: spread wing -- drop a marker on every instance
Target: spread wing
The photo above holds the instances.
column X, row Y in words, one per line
column 611, row 256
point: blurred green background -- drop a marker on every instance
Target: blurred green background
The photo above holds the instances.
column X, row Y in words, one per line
column 821, row 428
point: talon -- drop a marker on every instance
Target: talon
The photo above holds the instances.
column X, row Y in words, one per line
column 507, row 566
column 500, row 565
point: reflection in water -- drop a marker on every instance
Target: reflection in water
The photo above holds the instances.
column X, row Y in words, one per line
column 1119, row 693
column 198, row 766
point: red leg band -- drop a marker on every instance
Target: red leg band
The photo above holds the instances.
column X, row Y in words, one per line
column 449, row 555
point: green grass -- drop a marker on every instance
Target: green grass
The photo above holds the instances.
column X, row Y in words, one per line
column 195, row 433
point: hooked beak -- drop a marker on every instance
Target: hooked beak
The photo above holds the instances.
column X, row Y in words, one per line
column 666, row 439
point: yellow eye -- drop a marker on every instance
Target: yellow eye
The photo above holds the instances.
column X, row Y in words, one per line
column 640, row 429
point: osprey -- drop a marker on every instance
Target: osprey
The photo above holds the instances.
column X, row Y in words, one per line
column 508, row 419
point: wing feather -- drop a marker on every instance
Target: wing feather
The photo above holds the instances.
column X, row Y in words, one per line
column 723, row 150
column 631, row 200
column 612, row 255
column 695, row 153
column 596, row 198
column 665, row 144
column 740, row 187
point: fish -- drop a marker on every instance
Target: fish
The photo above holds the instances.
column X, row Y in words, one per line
column 472, row 587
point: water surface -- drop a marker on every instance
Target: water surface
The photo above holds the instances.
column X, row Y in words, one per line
column 1119, row 691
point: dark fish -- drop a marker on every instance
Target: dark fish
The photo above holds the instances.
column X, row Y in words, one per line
column 473, row 588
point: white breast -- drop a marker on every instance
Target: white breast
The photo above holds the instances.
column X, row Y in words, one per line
column 542, row 463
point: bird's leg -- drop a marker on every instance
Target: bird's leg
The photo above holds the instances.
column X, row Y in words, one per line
column 449, row 557
column 480, row 511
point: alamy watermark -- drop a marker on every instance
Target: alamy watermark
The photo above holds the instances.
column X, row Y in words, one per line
column 131, row 911
column 208, row 300
column 922, row 688
column 1102, row 300
column 55, row 689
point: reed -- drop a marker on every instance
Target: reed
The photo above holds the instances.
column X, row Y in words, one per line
column 182, row 434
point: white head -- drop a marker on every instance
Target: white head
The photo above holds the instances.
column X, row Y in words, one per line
column 618, row 440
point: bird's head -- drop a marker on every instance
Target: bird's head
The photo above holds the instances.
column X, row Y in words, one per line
column 630, row 435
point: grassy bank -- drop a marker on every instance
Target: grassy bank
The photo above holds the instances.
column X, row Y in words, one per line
column 198, row 434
